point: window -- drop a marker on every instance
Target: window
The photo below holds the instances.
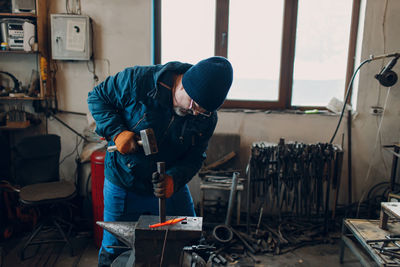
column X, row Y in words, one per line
column 188, row 30
column 255, row 56
column 285, row 53
column 323, row 30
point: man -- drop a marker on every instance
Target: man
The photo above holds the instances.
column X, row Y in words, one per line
column 179, row 102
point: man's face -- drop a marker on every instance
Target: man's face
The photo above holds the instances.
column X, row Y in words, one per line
column 183, row 104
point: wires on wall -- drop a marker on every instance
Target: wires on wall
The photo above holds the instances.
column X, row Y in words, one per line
column 379, row 119
column 377, row 137
column 74, row 151
column 92, row 68
column 379, row 87
column 75, row 8
column 92, row 60
column 347, row 97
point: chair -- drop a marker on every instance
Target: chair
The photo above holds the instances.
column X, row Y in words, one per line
column 36, row 168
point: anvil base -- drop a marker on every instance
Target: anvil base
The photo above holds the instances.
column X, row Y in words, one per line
column 149, row 242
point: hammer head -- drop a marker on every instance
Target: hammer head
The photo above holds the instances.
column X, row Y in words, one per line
column 149, row 142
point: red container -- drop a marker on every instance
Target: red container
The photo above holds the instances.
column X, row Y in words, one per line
column 97, row 167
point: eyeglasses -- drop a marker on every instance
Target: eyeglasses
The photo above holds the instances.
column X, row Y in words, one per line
column 195, row 108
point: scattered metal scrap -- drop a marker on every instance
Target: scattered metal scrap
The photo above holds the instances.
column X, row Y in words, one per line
column 294, row 189
column 390, row 246
column 270, row 240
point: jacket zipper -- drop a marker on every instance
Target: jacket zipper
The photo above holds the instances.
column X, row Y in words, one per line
column 166, row 130
column 141, row 119
column 183, row 131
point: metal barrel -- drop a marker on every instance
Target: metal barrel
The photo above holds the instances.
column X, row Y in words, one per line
column 232, row 195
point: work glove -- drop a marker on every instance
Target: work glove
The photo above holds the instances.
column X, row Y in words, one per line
column 163, row 185
column 126, row 142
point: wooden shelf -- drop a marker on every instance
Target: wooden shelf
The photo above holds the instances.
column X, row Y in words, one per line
column 24, row 15
column 18, row 52
column 16, row 125
column 40, row 19
column 21, row 98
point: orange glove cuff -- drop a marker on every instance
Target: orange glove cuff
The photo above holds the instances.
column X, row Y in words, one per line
column 125, row 142
column 169, row 186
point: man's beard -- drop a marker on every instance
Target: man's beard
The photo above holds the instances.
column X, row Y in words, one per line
column 178, row 111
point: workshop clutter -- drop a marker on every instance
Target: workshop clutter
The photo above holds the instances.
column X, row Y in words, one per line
column 294, row 188
column 295, row 179
column 15, row 217
column 11, row 86
column 290, row 189
column 223, row 159
column 17, row 34
column 16, row 116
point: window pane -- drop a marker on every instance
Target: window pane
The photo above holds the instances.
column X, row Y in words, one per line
column 323, row 29
column 187, row 31
column 357, row 55
column 254, row 48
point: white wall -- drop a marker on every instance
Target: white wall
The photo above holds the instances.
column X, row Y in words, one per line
column 371, row 163
column 122, row 35
column 122, row 38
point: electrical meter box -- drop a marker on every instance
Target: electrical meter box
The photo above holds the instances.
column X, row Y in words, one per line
column 71, row 37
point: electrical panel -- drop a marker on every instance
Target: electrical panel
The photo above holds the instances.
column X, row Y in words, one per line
column 71, row 37
column 23, row 6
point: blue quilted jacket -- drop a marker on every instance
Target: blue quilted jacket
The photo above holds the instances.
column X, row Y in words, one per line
column 134, row 99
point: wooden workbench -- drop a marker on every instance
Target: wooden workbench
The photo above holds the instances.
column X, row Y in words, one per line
column 389, row 209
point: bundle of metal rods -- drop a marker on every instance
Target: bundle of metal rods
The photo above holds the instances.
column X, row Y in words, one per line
column 294, row 179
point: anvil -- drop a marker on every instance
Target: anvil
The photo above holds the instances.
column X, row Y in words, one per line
column 151, row 245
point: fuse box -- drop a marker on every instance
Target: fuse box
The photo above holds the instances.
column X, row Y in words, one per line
column 71, row 37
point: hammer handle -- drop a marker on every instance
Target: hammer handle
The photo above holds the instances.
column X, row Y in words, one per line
column 114, row 148
column 161, row 200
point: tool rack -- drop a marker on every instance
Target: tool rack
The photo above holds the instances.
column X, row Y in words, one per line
column 295, row 178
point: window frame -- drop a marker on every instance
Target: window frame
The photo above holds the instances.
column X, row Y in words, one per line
column 287, row 51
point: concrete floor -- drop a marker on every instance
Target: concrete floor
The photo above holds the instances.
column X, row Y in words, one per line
column 326, row 255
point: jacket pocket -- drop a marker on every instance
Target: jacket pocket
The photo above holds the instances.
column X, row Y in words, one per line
column 126, row 162
column 140, row 121
column 192, row 135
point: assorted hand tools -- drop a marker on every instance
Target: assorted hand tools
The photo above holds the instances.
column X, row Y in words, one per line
column 294, row 178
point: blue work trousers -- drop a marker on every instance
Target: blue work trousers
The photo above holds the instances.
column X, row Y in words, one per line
column 122, row 205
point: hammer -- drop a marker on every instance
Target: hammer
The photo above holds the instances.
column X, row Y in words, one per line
column 148, row 142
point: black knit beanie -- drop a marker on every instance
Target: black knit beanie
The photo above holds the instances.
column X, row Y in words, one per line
column 208, row 82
